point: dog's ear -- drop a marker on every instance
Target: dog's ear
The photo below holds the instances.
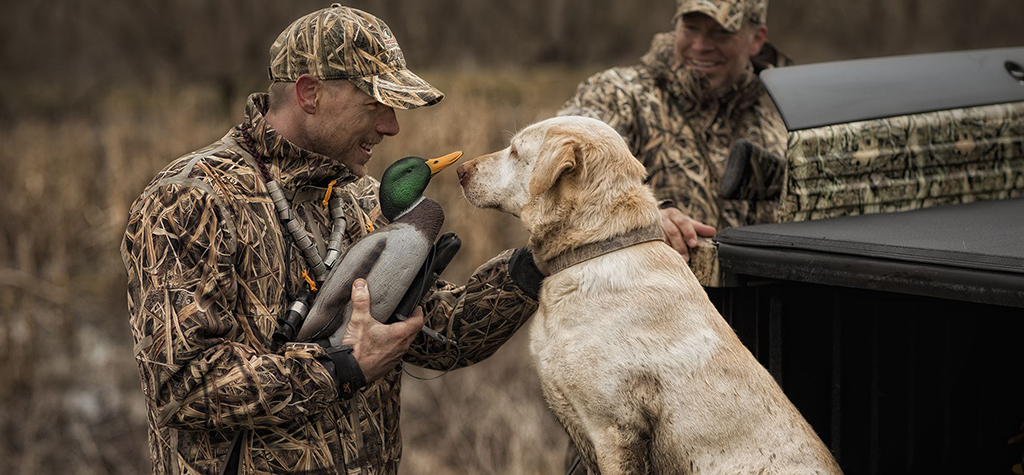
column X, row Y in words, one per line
column 560, row 152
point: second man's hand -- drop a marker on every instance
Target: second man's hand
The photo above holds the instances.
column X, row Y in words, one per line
column 377, row 347
column 682, row 231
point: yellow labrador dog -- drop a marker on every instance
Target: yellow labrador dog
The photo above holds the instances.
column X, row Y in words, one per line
column 634, row 360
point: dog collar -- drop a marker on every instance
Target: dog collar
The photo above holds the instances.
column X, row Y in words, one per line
column 589, row 251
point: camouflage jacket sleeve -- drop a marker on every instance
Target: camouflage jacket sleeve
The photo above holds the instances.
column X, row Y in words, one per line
column 202, row 361
column 606, row 96
column 479, row 317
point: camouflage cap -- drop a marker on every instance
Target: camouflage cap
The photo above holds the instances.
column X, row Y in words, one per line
column 729, row 13
column 344, row 43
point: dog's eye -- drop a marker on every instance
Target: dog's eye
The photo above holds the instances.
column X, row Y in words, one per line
column 512, row 153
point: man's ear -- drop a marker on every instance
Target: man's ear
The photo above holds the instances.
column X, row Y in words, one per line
column 559, row 154
column 308, row 90
column 760, row 37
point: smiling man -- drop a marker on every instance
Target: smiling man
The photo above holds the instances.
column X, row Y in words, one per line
column 227, row 239
column 680, row 110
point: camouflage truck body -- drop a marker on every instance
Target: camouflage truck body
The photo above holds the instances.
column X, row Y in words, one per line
column 886, row 300
column 904, row 163
column 888, row 135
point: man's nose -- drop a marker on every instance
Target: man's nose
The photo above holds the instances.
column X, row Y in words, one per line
column 702, row 42
column 387, row 123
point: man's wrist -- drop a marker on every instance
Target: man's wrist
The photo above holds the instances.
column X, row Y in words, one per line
column 348, row 376
column 524, row 272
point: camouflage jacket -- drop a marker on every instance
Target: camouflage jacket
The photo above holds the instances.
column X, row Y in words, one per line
column 681, row 131
column 209, row 270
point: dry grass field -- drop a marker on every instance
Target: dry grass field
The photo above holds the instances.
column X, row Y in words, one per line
column 97, row 95
column 69, row 388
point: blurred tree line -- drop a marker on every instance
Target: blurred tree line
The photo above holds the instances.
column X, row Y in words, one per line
column 59, row 53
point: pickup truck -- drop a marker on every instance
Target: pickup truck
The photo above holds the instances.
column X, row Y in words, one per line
column 888, row 298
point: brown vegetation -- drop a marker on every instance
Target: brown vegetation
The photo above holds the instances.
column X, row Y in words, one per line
column 99, row 96
column 69, row 390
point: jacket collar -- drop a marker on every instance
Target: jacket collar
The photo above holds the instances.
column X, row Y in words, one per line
column 288, row 164
column 691, row 87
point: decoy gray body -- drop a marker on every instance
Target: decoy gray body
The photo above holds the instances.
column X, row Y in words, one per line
column 388, row 258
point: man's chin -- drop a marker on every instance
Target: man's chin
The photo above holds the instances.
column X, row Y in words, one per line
column 358, row 170
column 357, row 167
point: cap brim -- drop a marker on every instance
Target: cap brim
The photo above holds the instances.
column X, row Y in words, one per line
column 399, row 89
column 732, row 23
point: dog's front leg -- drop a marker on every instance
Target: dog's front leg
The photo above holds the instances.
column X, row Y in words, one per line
column 622, row 451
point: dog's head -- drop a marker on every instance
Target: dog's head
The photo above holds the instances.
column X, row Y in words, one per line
column 572, row 180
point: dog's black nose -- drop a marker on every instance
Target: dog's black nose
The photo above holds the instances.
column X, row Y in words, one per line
column 462, row 174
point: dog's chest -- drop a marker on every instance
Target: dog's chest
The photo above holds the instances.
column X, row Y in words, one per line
column 557, row 345
column 543, row 334
column 581, row 332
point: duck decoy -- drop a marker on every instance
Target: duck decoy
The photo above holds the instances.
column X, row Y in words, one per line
column 391, row 257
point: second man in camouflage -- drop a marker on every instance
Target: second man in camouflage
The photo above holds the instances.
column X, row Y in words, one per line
column 681, row 109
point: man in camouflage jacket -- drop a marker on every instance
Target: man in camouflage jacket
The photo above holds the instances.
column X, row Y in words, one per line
column 210, row 269
column 681, row 109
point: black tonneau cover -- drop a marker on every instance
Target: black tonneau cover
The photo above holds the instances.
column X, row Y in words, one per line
column 816, row 95
column 970, row 251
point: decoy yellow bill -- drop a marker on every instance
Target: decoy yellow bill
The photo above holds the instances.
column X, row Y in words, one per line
column 440, row 163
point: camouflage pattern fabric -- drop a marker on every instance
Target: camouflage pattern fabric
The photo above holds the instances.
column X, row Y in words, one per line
column 704, row 263
column 731, row 14
column 345, row 43
column 209, row 270
column 682, row 132
column 904, row 163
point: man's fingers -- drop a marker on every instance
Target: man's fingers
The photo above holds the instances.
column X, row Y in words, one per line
column 704, row 230
column 685, row 226
column 673, row 237
column 689, row 234
column 682, row 232
column 408, row 327
column 360, row 296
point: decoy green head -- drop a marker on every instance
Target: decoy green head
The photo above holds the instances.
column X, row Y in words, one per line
column 403, row 182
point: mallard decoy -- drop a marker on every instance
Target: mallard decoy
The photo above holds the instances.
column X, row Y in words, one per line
column 389, row 258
